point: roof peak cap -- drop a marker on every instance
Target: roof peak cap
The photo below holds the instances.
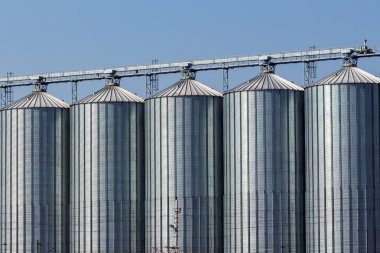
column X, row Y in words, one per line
column 188, row 73
column 267, row 67
column 349, row 61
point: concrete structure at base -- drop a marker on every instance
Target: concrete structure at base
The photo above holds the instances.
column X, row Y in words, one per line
column 264, row 166
column 343, row 162
column 34, row 174
column 184, row 155
column 107, row 172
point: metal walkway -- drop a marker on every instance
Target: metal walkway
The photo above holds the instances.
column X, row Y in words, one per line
column 176, row 67
column 151, row 71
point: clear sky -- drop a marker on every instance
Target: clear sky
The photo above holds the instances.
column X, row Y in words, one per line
column 39, row 36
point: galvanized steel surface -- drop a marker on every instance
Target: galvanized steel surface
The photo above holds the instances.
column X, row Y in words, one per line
column 185, row 161
column 37, row 99
column 34, row 169
column 348, row 75
column 186, row 87
column 111, row 93
column 264, row 170
column 107, row 175
column 266, row 81
column 343, row 166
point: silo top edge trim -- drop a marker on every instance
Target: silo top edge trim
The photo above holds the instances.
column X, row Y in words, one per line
column 337, row 84
column 186, row 88
column 32, row 108
column 265, row 81
column 183, row 96
column 347, row 75
column 263, row 90
column 107, row 102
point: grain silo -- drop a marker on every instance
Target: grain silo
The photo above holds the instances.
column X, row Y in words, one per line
column 34, row 151
column 107, row 172
column 264, row 165
column 342, row 162
column 184, row 155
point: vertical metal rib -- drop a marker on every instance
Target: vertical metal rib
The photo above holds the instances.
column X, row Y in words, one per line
column 34, row 179
column 343, row 182
column 107, row 179
column 264, row 169
column 184, row 160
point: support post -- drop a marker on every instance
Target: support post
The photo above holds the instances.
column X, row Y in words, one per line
column 152, row 82
column 310, row 69
column 225, row 79
column 148, row 86
column 74, row 92
column 7, row 92
column 9, row 95
column 154, row 79
column 3, row 97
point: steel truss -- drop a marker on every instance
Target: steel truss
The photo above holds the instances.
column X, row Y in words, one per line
column 152, row 71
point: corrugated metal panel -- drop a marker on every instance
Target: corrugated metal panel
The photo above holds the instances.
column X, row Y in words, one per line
column 111, row 93
column 186, row 87
column 264, row 171
column 266, row 81
column 347, row 75
column 107, row 175
column 34, row 167
column 37, row 99
column 343, row 167
column 184, row 155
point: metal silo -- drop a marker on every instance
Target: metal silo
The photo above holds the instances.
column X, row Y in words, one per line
column 107, row 172
column 264, row 166
column 34, row 151
column 184, row 156
column 342, row 162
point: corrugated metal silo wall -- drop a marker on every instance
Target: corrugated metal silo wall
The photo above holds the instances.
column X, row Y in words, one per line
column 343, row 171
column 107, row 177
column 264, row 171
column 184, row 160
column 34, row 179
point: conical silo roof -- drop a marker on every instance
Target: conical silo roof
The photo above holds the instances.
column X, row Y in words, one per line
column 186, row 87
column 109, row 94
column 348, row 75
column 37, row 99
column 266, row 81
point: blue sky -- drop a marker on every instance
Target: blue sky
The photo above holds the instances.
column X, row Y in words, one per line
column 50, row 35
